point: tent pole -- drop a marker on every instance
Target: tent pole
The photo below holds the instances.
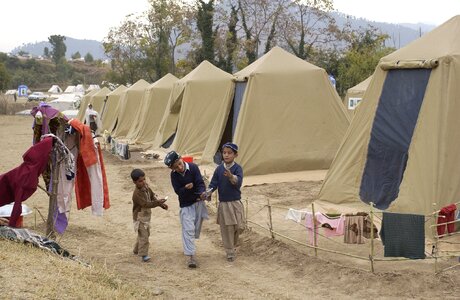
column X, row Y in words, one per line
column 247, row 212
column 314, row 229
column 436, row 240
column 371, row 255
column 270, row 218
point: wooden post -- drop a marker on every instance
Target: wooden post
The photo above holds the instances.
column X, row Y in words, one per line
column 371, row 255
column 247, row 212
column 270, row 218
column 53, row 196
column 315, row 243
column 436, row 239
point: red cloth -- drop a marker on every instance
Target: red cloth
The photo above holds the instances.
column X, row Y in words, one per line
column 19, row 184
column 446, row 214
column 86, row 158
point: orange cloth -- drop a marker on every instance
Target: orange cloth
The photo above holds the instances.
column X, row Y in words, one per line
column 104, row 179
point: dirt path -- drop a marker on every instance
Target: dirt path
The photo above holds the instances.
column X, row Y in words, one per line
column 264, row 268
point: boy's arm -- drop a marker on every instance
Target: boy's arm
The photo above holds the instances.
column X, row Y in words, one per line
column 178, row 189
column 239, row 176
column 141, row 199
column 214, row 180
column 198, row 181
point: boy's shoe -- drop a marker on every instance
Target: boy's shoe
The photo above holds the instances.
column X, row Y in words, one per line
column 145, row 258
column 231, row 257
column 192, row 262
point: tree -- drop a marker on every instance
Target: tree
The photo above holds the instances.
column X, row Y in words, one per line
column 309, row 27
column 260, row 20
column 76, row 55
column 46, row 52
column 361, row 58
column 226, row 40
column 89, row 58
column 168, row 26
column 204, row 22
column 4, row 77
column 59, row 47
column 122, row 46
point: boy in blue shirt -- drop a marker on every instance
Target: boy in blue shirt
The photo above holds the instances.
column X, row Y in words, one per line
column 227, row 179
column 188, row 184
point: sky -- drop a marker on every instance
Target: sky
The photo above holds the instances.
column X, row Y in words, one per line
column 30, row 21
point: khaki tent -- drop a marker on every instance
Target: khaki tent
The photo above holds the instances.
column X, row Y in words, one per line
column 109, row 109
column 285, row 116
column 355, row 95
column 97, row 100
column 128, row 108
column 402, row 149
column 84, row 105
column 55, row 89
column 193, row 107
column 152, row 109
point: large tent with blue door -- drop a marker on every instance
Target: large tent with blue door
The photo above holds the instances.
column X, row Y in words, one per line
column 402, row 149
column 193, row 107
column 285, row 116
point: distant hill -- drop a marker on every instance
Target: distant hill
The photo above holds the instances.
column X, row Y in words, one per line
column 73, row 45
column 399, row 36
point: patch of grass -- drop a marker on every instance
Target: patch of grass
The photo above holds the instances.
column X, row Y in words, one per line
column 28, row 272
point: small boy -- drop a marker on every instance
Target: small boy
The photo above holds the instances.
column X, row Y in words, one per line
column 227, row 179
column 143, row 201
column 188, row 184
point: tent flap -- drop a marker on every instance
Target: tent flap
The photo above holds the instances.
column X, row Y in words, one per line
column 391, row 135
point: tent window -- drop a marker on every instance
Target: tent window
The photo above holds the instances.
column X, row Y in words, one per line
column 392, row 130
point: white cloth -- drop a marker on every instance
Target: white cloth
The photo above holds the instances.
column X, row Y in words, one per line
column 97, row 187
column 295, row 215
column 191, row 218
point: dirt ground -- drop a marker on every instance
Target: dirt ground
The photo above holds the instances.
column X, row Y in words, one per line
column 265, row 268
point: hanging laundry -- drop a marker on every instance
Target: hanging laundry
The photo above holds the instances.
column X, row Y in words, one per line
column 331, row 226
column 445, row 215
column 91, row 182
column 295, row 215
column 354, row 227
column 19, row 184
column 403, row 235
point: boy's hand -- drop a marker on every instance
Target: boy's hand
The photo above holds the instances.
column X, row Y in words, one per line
column 189, row 186
column 164, row 206
column 227, row 173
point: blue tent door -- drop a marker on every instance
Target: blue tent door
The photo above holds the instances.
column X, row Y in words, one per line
column 394, row 123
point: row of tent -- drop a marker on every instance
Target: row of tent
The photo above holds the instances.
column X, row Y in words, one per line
column 282, row 112
column 80, row 88
column 401, row 151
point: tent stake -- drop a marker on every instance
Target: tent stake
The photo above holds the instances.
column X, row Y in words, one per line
column 314, row 229
column 270, row 218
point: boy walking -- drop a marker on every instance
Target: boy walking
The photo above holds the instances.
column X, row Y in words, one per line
column 143, row 201
column 227, row 179
column 188, row 184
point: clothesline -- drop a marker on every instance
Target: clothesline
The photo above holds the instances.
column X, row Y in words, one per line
column 456, row 203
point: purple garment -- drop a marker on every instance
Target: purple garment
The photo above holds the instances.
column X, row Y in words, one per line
column 61, row 222
column 48, row 113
